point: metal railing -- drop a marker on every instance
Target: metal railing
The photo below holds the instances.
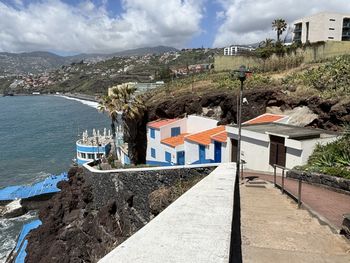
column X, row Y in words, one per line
column 283, row 190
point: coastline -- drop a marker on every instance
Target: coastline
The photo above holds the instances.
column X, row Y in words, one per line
column 70, row 95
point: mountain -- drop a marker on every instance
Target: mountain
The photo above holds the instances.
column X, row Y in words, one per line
column 32, row 62
column 39, row 61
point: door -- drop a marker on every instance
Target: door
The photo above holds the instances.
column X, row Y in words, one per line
column 217, row 150
column 277, row 151
column 181, row 158
column 201, row 154
column 168, row 157
column 234, row 150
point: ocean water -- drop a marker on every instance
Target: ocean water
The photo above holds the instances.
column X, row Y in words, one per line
column 37, row 138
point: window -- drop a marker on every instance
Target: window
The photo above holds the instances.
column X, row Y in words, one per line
column 83, row 155
column 332, row 19
column 175, row 131
column 91, row 156
column 168, row 157
column 99, row 155
column 330, row 37
column 153, row 153
column 331, row 28
column 152, row 133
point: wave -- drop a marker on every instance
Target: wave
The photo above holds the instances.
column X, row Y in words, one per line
column 86, row 102
column 9, row 230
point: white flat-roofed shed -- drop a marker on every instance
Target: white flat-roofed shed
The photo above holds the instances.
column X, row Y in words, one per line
column 274, row 143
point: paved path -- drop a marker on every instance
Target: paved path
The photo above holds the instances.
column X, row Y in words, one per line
column 274, row 230
column 327, row 204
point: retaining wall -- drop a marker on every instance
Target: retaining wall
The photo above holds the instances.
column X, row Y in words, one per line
column 316, row 52
column 336, row 183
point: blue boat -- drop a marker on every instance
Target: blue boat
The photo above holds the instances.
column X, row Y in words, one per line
column 47, row 186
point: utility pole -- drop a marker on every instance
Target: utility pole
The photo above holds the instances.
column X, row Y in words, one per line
column 242, row 75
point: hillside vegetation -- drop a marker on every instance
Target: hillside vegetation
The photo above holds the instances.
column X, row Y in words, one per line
column 328, row 80
column 333, row 158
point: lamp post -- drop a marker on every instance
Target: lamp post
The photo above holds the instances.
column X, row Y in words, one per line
column 242, row 75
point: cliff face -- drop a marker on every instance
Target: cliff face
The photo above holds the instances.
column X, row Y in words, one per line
column 94, row 213
column 332, row 114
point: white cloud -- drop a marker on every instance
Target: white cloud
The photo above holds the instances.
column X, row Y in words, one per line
column 88, row 27
column 249, row 21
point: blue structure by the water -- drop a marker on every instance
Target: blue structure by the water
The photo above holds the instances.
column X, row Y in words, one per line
column 49, row 185
column 22, row 242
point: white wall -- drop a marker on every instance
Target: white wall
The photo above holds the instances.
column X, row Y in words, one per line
column 153, row 143
column 319, row 25
column 191, row 152
column 310, row 145
column 256, row 149
column 166, row 130
column 197, row 124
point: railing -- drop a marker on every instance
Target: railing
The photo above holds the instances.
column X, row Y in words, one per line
column 298, row 198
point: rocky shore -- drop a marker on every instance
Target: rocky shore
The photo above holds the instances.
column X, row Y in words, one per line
column 94, row 213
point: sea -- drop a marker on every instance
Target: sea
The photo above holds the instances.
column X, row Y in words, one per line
column 37, row 139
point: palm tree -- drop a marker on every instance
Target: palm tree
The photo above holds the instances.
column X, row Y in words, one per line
column 268, row 42
column 280, row 26
column 132, row 108
column 106, row 104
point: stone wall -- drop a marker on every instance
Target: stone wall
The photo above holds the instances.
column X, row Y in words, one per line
column 132, row 188
column 316, row 52
column 335, row 183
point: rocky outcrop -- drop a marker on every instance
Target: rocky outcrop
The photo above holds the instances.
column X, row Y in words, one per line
column 94, row 213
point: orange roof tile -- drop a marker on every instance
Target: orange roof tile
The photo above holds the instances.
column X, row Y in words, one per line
column 264, row 118
column 160, row 123
column 220, row 137
column 175, row 141
column 204, row 137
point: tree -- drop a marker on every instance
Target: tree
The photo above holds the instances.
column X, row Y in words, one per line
column 266, row 49
column 123, row 101
column 268, row 42
column 279, row 25
column 107, row 105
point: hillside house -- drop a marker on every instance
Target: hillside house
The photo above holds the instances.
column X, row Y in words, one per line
column 190, row 140
column 266, row 144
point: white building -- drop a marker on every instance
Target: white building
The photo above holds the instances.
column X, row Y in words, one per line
column 235, row 50
column 94, row 147
column 265, row 144
column 325, row 26
column 190, row 140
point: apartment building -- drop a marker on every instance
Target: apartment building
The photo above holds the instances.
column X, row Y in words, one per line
column 325, row 26
column 235, row 50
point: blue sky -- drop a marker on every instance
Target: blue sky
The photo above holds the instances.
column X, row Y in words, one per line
column 106, row 26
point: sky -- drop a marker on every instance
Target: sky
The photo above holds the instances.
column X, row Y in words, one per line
column 105, row 26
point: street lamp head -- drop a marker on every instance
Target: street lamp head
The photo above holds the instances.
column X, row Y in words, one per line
column 241, row 73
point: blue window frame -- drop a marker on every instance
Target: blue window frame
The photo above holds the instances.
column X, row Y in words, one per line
column 175, row 131
column 153, row 153
column 152, row 133
column 168, row 157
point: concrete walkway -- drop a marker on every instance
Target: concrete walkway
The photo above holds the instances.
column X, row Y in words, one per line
column 274, row 230
column 195, row 228
column 329, row 205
